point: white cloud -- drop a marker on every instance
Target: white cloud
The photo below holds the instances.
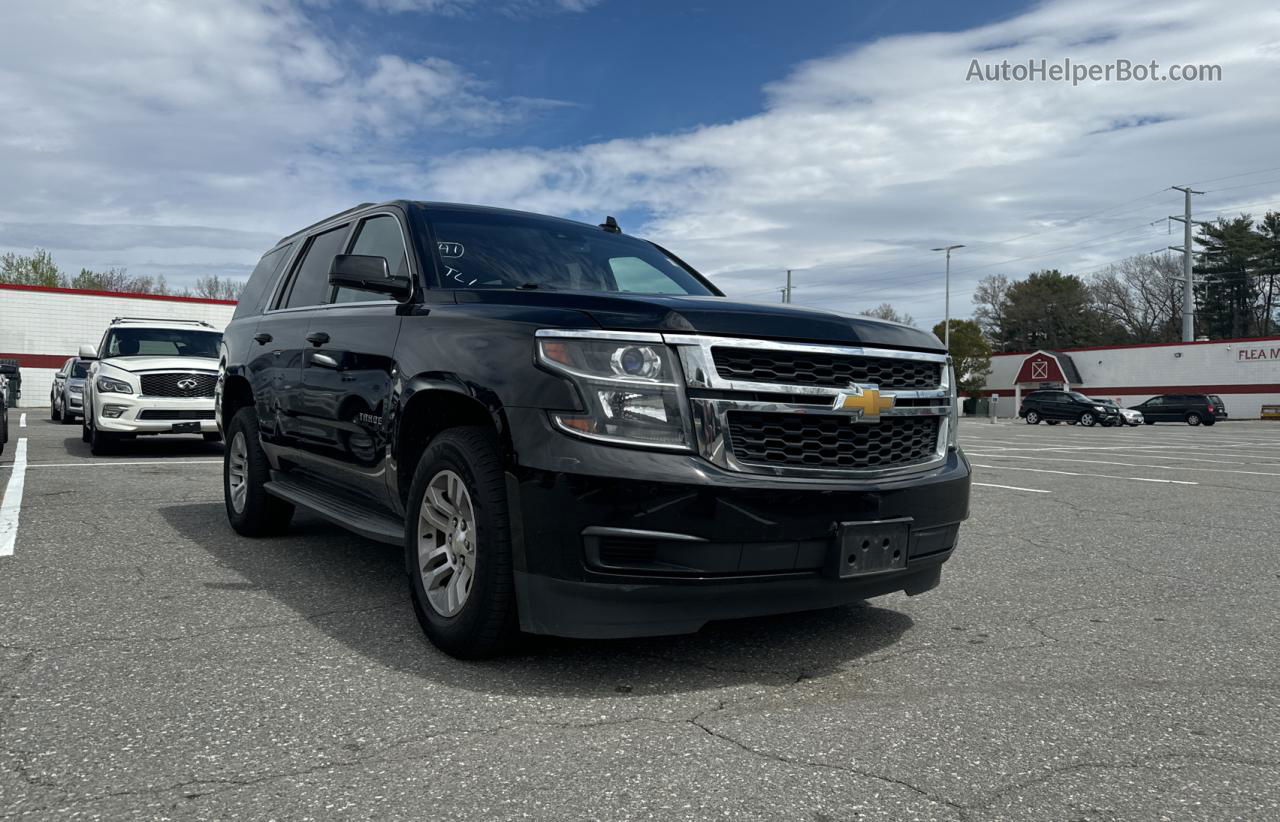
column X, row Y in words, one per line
column 863, row 161
column 245, row 118
column 460, row 7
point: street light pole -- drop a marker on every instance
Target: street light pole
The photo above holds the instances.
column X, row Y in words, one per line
column 946, row 328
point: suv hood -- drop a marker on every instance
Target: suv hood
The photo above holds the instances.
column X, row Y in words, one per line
column 162, row 363
column 718, row 316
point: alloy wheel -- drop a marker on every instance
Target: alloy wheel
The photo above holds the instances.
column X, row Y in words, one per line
column 447, row 543
column 238, row 472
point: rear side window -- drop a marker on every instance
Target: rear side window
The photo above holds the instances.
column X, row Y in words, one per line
column 378, row 236
column 260, row 281
column 310, row 284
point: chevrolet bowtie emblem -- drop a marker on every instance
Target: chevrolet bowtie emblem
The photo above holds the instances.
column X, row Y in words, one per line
column 865, row 402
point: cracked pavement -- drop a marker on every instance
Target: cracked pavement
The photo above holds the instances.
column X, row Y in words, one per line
column 1103, row 651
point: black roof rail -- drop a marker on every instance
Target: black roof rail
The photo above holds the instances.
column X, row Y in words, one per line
column 115, row 320
column 322, row 222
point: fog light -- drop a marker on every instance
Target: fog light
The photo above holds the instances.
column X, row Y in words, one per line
column 111, row 412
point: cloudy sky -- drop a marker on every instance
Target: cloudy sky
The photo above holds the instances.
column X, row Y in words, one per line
column 839, row 139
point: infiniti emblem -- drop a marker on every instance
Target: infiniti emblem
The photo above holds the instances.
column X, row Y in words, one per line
column 187, row 383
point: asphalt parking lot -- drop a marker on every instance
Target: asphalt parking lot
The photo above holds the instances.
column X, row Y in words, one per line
column 1103, row 646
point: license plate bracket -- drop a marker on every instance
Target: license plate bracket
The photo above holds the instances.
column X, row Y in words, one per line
column 868, row 548
column 185, row 428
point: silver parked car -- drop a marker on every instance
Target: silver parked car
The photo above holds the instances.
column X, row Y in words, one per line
column 66, row 397
column 1128, row 416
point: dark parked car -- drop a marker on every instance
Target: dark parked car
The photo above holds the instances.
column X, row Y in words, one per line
column 66, row 397
column 1193, row 409
column 4, row 411
column 570, row 431
column 1066, row 406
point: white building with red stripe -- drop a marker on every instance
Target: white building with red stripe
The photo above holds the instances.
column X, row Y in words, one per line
column 41, row 327
column 1244, row 373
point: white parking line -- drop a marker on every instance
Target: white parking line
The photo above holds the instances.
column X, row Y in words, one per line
column 22, row 420
column 87, row 464
column 1132, row 464
column 1075, row 474
column 1012, row 487
column 12, row 503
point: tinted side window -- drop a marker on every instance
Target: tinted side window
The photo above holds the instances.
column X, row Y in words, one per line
column 378, row 236
column 262, row 278
column 310, row 282
column 1155, row 401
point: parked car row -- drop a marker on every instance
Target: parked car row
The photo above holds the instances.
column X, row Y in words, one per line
column 1072, row 407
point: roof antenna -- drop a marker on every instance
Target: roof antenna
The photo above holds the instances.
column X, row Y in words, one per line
column 611, row 225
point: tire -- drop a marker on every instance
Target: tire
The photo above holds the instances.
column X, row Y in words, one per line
column 54, row 413
column 212, row 437
column 84, row 429
column 1088, row 420
column 1193, row 419
column 462, row 465
column 1210, row 422
column 1033, row 418
column 253, row 513
column 102, row 443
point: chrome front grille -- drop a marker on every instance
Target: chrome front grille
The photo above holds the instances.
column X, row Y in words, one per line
column 794, row 409
column 179, row 384
column 828, row 441
column 831, row 370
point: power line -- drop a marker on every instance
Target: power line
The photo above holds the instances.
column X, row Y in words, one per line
column 1234, row 176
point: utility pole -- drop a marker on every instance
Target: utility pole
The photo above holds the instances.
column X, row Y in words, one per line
column 786, row 292
column 1188, row 291
column 946, row 311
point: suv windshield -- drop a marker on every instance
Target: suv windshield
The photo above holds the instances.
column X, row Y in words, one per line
column 161, row 342
column 484, row 250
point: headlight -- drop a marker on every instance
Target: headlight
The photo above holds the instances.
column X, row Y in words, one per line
column 633, row 390
column 107, row 385
column 1101, row 409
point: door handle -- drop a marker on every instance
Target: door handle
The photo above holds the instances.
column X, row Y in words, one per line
column 318, row 339
column 263, row 338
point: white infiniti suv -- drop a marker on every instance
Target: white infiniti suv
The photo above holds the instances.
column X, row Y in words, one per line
column 150, row 377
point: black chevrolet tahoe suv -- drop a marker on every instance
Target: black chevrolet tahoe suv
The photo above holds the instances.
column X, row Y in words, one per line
column 1067, row 406
column 572, row 432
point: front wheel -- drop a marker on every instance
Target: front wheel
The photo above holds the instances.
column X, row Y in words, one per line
column 1087, row 419
column 245, row 473
column 1033, row 418
column 102, row 443
column 1193, row 419
column 458, row 545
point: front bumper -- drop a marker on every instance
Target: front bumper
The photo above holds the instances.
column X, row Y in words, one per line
column 616, row 542
column 153, row 415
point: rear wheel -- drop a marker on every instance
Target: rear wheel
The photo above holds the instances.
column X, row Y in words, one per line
column 1033, row 418
column 1087, row 419
column 458, row 543
column 1193, row 419
column 245, row 472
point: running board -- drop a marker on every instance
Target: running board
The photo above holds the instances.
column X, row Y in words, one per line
column 345, row 512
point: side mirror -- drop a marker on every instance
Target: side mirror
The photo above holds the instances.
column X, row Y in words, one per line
column 368, row 273
column 88, row 352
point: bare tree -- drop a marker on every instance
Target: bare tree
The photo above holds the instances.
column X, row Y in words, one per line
column 991, row 301
column 1142, row 294
column 885, row 311
column 214, row 287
